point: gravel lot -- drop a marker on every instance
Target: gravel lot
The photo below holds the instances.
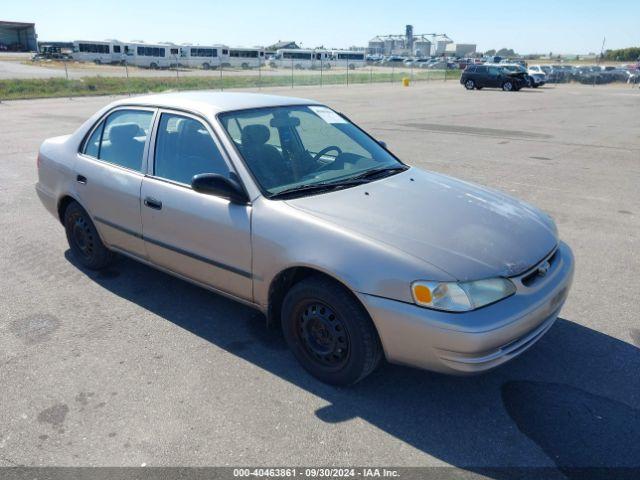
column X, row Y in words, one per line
column 131, row 366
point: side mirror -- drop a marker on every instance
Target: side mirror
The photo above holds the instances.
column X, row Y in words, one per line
column 383, row 144
column 214, row 184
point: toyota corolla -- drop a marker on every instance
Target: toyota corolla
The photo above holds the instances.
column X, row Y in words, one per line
column 286, row 205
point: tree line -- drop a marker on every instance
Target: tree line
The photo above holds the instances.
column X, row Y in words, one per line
column 623, row 54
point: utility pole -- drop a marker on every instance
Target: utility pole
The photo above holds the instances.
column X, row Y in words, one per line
column 604, row 39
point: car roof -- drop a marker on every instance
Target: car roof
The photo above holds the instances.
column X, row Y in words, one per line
column 208, row 102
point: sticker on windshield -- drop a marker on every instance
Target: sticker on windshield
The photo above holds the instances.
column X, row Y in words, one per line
column 327, row 115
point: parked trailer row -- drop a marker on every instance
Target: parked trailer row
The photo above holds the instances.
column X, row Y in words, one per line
column 165, row 55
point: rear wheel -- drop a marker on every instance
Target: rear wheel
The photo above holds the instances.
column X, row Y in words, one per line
column 83, row 238
column 153, row 66
column 206, row 66
column 469, row 84
column 329, row 332
column 507, row 86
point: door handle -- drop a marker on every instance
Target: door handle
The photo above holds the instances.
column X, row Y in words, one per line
column 81, row 179
column 153, row 203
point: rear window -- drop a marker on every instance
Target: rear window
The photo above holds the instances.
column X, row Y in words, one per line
column 471, row 68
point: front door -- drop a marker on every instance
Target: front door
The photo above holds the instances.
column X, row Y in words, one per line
column 495, row 77
column 200, row 236
column 109, row 176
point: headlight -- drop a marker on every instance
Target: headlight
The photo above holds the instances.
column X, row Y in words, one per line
column 461, row 296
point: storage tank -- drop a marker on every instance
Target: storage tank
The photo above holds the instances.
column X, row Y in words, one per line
column 389, row 46
column 441, row 46
column 376, row 46
column 422, row 48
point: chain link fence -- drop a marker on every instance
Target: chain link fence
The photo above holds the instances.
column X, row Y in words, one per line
column 72, row 78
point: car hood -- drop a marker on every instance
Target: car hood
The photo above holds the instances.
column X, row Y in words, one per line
column 469, row 231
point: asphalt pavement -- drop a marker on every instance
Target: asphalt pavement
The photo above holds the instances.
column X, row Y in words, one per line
column 130, row 366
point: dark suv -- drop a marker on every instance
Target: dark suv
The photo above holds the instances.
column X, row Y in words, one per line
column 493, row 76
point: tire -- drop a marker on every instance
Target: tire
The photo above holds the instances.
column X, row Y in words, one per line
column 329, row 332
column 507, row 86
column 153, row 66
column 83, row 238
column 469, row 84
column 206, row 66
column 97, row 61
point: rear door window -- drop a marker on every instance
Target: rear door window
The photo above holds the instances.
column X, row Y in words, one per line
column 124, row 135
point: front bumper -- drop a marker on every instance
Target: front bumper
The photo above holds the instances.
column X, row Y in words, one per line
column 473, row 342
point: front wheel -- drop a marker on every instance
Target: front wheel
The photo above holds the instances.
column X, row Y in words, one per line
column 329, row 332
column 83, row 238
column 469, row 84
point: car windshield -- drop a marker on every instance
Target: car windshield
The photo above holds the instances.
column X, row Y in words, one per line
column 304, row 148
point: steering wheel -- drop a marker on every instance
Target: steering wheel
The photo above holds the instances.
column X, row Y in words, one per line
column 326, row 150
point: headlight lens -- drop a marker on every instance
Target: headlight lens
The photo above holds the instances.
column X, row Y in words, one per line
column 461, row 296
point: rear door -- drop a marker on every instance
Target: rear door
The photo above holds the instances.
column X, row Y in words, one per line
column 203, row 237
column 480, row 76
column 109, row 171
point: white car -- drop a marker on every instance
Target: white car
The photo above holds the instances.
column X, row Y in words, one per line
column 537, row 76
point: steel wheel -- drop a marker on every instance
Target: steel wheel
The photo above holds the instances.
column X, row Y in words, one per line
column 507, row 86
column 329, row 332
column 323, row 335
column 82, row 236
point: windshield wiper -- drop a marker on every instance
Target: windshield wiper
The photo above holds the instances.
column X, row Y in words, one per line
column 313, row 187
column 378, row 172
column 347, row 182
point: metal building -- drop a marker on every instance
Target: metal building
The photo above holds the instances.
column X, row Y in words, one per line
column 460, row 49
column 18, row 37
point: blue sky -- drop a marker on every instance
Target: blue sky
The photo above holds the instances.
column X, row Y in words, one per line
column 528, row 27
